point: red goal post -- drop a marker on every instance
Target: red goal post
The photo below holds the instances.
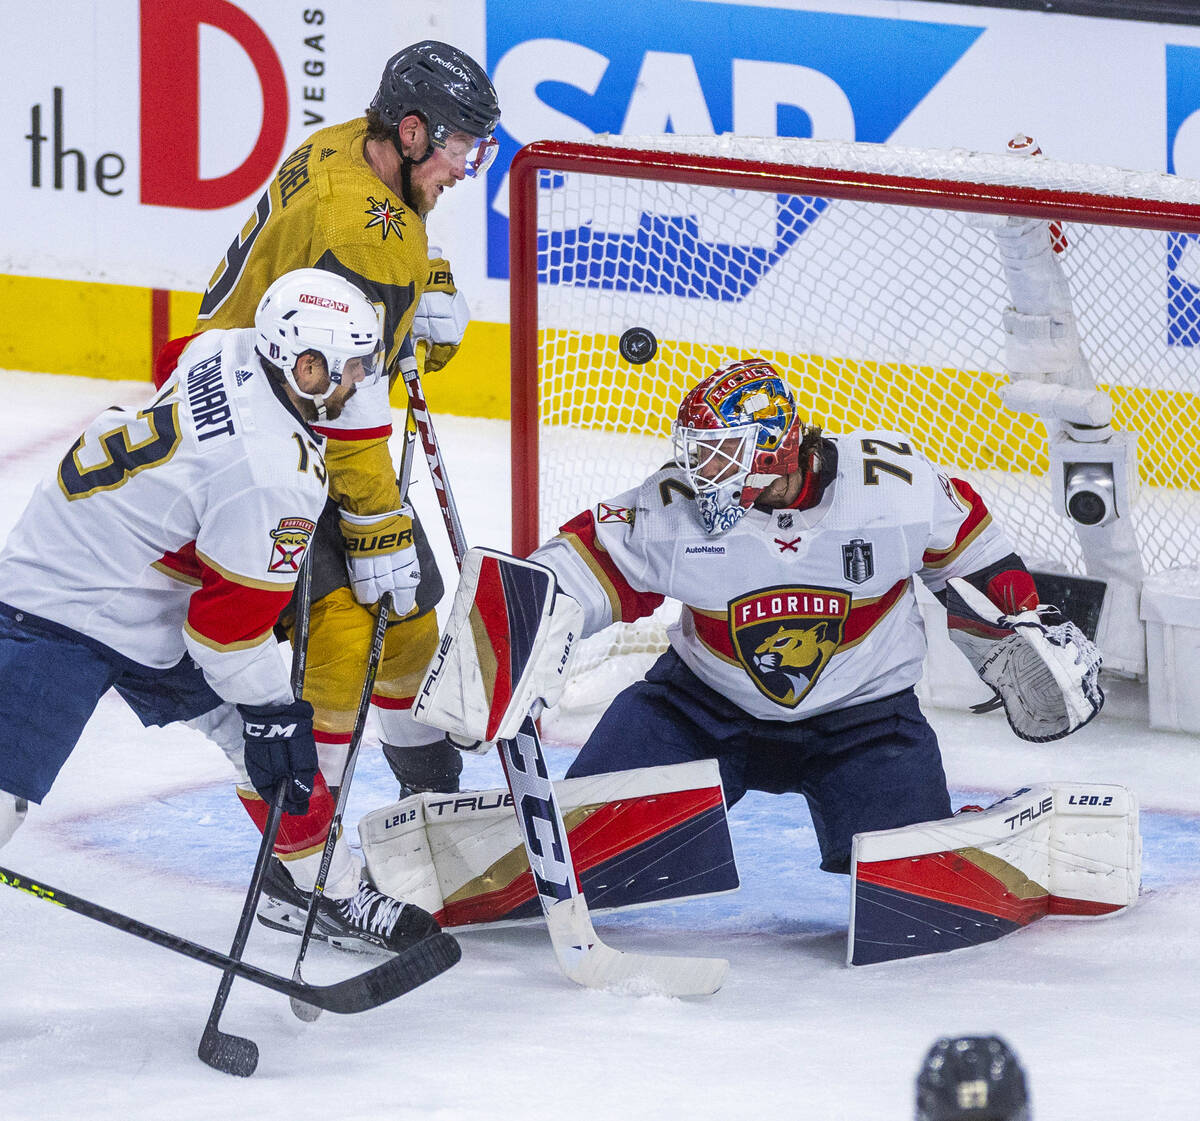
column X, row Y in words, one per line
column 858, row 270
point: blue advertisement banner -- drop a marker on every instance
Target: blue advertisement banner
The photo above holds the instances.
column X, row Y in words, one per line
column 697, row 68
column 1183, row 250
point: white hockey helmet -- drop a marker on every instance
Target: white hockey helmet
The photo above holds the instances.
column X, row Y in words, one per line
column 311, row 309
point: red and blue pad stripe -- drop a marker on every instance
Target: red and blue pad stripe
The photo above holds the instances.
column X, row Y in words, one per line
column 510, row 601
column 1049, row 849
column 630, row 852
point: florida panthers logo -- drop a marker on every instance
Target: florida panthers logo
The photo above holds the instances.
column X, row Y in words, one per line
column 784, row 637
column 289, row 540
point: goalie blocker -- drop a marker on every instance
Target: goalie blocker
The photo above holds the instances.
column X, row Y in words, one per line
column 506, row 648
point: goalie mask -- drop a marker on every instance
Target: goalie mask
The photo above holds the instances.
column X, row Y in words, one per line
column 735, row 434
column 972, row 1078
column 314, row 310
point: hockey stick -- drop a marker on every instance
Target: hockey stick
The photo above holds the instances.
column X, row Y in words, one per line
column 377, row 986
column 302, row 1009
column 581, row 955
column 235, row 1054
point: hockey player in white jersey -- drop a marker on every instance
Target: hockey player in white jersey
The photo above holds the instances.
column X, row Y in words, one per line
column 158, row 558
column 800, row 641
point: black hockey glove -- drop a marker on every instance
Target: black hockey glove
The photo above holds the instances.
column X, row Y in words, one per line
column 280, row 748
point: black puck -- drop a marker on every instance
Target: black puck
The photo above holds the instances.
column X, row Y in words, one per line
column 638, row 345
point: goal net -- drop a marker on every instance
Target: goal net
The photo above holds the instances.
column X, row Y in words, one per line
column 870, row 276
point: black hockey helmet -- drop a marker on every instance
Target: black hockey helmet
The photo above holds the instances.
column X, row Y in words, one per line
column 446, row 86
column 971, row 1078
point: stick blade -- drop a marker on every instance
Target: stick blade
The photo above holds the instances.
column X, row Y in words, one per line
column 230, row 1054
column 395, row 977
column 602, row 967
column 587, row 961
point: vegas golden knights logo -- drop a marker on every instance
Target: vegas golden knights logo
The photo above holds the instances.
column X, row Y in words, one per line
column 784, row 637
column 289, row 540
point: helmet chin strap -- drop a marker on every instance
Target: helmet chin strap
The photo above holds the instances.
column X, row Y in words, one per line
column 319, row 403
column 407, row 163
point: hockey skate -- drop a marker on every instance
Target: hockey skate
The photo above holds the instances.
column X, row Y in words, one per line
column 368, row 918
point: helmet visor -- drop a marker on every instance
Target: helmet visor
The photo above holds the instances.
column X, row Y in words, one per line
column 481, row 156
column 372, row 365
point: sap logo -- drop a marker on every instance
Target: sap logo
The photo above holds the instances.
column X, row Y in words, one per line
column 1183, row 158
column 677, row 66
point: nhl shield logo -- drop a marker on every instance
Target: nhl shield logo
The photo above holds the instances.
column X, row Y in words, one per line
column 784, row 637
column 858, row 561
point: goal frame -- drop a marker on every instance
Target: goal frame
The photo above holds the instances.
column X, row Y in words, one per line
column 763, row 176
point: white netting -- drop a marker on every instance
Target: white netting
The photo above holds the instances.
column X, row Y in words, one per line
column 877, row 315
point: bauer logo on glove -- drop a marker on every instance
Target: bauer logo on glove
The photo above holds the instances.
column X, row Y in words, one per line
column 381, row 557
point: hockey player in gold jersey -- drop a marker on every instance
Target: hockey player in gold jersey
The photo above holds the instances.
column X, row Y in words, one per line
column 353, row 199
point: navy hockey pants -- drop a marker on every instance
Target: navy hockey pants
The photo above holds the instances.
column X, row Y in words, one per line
column 865, row 767
column 52, row 678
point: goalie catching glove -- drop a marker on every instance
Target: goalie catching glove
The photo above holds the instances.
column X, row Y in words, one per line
column 1045, row 669
column 381, row 557
column 442, row 315
column 506, row 648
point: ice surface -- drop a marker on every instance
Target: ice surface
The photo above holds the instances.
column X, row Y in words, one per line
column 97, row 1025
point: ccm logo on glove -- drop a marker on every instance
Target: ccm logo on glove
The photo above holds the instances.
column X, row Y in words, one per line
column 271, row 732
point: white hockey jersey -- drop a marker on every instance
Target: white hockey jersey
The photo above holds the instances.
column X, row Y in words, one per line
column 179, row 528
column 792, row 612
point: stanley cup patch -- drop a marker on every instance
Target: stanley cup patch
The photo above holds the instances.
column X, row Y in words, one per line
column 858, row 561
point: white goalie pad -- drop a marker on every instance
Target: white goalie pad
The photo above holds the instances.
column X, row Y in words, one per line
column 1048, row 676
column 506, row 647
column 1054, row 849
column 637, row 838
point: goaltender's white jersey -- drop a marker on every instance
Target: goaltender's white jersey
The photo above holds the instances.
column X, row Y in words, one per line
column 792, row 612
column 179, row 527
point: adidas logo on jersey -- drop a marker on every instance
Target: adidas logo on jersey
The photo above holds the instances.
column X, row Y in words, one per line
column 327, row 152
column 243, row 376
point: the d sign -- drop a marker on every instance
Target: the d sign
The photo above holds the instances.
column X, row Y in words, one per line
column 170, row 105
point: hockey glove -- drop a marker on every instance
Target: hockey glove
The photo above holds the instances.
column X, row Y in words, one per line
column 441, row 317
column 381, row 557
column 1046, row 670
column 280, row 748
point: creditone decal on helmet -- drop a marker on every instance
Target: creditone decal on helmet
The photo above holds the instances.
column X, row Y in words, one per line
column 971, row 1078
column 736, row 432
column 314, row 310
column 449, row 90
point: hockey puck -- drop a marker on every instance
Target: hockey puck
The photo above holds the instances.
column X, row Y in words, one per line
column 638, row 345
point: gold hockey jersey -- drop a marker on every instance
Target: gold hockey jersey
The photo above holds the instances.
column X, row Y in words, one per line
column 326, row 208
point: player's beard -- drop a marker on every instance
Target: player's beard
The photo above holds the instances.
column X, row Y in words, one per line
column 333, row 406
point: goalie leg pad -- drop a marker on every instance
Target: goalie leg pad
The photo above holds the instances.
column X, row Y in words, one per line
column 653, row 835
column 1068, row 849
